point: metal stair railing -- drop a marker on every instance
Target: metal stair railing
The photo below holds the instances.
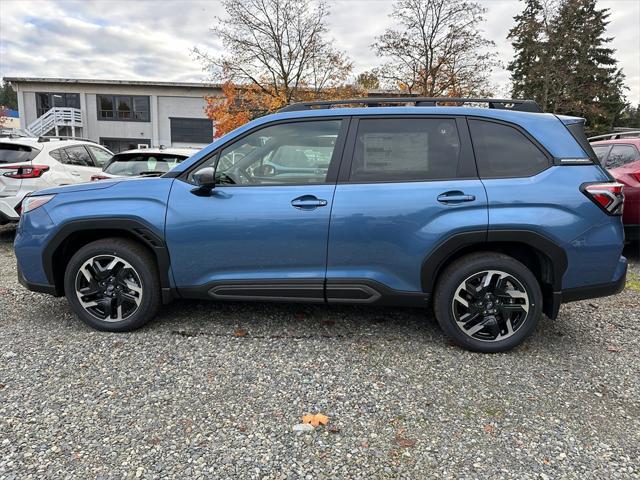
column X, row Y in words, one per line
column 55, row 118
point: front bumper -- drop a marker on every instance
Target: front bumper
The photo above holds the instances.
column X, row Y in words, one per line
column 36, row 287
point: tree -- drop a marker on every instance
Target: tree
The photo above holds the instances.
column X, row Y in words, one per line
column 368, row 80
column 563, row 61
column 438, row 49
column 277, row 53
column 8, row 97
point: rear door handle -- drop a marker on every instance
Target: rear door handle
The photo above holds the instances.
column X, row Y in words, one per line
column 308, row 202
column 455, row 196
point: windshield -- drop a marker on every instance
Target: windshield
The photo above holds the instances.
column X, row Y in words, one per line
column 14, row 153
column 132, row 164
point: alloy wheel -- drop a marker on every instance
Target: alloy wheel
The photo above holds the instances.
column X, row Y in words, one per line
column 108, row 288
column 490, row 305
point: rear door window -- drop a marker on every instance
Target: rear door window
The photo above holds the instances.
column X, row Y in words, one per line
column 621, row 155
column 79, row 156
column 601, row 152
column 503, row 151
column 14, row 153
column 400, row 149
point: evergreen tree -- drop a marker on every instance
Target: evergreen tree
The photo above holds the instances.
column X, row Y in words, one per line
column 527, row 69
column 563, row 61
column 588, row 82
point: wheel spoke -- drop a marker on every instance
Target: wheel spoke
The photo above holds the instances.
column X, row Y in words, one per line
column 490, row 305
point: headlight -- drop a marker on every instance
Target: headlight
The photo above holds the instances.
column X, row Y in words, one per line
column 31, row 203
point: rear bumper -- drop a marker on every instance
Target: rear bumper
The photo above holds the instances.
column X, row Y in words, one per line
column 555, row 299
column 8, row 209
column 594, row 291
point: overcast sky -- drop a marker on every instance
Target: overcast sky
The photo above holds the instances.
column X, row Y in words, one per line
column 152, row 39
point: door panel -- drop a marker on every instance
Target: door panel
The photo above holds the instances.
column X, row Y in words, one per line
column 251, row 233
column 262, row 232
column 409, row 184
column 384, row 231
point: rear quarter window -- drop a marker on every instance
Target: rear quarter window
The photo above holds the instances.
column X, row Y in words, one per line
column 14, row 153
column 503, row 151
column 621, row 155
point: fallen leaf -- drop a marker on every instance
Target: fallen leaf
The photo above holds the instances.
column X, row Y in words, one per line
column 240, row 332
column 611, row 348
column 546, row 461
column 489, row 428
column 242, row 428
column 2, row 385
column 315, row 420
column 404, row 441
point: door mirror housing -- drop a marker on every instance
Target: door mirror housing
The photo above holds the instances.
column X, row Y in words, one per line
column 205, row 180
column 205, row 177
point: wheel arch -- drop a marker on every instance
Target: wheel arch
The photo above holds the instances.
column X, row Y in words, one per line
column 545, row 258
column 74, row 235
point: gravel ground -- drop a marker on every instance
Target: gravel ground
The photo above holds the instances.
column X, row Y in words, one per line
column 213, row 391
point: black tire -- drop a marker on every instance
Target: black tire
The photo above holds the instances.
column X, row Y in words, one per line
column 471, row 268
column 143, row 274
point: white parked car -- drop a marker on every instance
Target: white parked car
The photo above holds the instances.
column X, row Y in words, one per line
column 143, row 162
column 31, row 164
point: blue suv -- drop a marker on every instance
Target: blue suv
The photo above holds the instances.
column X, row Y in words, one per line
column 492, row 215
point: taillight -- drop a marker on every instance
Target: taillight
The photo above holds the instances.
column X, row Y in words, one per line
column 95, row 178
column 24, row 171
column 608, row 196
column 636, row 176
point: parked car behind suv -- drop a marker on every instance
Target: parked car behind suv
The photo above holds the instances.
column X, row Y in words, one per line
column 31, row 164
column 493, row 215
column 621, row 156
column 148, row 162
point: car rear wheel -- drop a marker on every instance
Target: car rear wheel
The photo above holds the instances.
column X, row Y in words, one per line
column 112, row 285
column 488, row 302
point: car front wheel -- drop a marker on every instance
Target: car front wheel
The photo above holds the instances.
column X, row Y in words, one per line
column 488, row 302
column 112, row 285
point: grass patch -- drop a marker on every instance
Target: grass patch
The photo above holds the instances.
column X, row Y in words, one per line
column 633, row 282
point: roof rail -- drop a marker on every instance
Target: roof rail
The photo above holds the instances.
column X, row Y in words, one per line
column 48, row 138
column 616, row 135
column 502, row 104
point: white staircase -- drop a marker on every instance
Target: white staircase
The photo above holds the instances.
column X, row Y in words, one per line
column 54, row 119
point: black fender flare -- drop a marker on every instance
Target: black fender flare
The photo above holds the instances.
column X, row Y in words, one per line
column 138, row 229
column 437, row 258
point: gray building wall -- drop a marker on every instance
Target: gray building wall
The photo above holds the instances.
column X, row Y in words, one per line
column 167, row 100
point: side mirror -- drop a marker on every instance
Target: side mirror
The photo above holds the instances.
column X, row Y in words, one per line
column 205, row 179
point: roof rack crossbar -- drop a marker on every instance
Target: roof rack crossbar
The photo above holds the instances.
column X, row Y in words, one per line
column 502, row 104
column 616, row 135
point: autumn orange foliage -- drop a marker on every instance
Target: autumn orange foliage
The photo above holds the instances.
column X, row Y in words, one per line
column 241, row 103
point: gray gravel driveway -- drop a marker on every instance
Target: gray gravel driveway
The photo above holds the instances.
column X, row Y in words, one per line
column 213, row 391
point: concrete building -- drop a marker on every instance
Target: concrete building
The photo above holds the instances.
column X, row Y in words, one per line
column 116, row 113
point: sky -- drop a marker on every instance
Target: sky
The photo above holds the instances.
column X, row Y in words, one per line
column 153, row 39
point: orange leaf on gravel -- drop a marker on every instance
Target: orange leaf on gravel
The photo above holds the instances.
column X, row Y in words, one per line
column 240, row 332
column 315, row 420
column 404, row 441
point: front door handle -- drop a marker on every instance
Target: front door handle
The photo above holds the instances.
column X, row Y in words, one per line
column 75, row 174
column 455, row 196
column 308, row 202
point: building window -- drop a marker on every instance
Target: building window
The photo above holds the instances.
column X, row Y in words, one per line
column 124, row 108
column 45, row 101
column 117, row 145
column 191, row 130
